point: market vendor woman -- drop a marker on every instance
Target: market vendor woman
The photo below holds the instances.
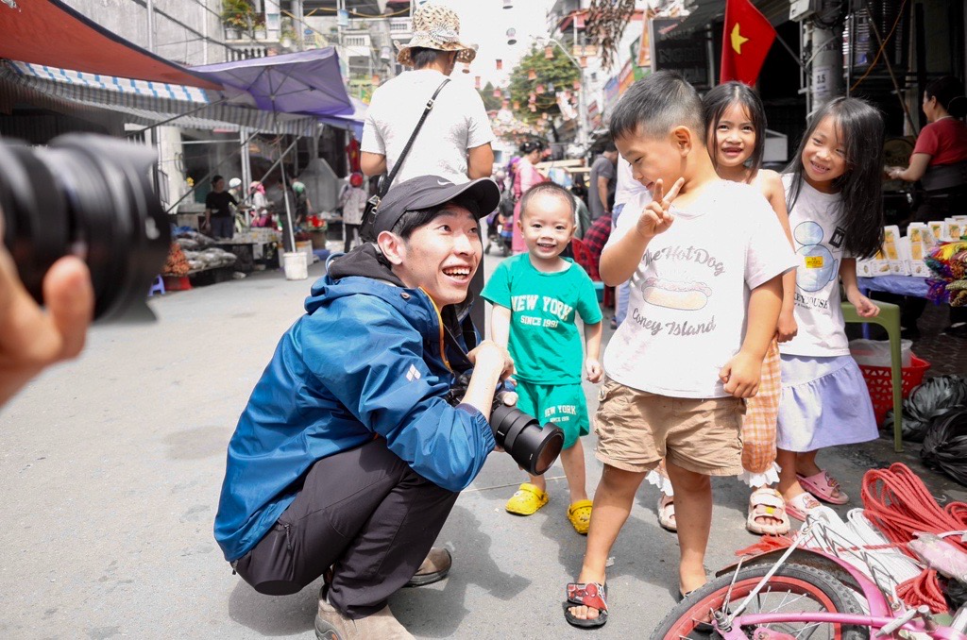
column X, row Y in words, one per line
column 939, row 164
column 348, row 458
column 939, row 160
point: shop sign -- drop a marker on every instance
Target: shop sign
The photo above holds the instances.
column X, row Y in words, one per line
column 610, row 94
column 625, row 78
column 675, row 51
column 644, row 43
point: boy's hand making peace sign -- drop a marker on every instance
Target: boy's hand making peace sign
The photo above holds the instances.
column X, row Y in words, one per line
column 655, row 219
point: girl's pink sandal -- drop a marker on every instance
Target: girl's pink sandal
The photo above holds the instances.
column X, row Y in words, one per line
column 823, row 487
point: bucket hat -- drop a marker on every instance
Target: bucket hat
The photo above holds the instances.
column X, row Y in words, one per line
column 436, row 27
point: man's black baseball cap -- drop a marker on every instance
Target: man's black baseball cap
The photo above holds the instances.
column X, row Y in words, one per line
column 480, row 197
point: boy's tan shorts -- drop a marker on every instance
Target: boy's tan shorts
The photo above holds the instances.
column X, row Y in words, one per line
column 637, row 429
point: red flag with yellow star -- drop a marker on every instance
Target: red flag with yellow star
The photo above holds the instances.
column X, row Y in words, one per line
column 746, row 40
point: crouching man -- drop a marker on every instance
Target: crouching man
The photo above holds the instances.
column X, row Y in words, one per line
column 348, row 457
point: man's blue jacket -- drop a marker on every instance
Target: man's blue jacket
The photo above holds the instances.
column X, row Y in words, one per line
column 367, row 360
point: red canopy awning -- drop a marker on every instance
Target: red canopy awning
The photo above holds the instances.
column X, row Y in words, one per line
column 49, row 32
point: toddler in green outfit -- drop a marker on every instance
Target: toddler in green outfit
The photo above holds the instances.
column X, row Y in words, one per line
column 536, row 297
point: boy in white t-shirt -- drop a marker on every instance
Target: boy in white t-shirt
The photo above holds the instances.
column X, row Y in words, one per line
column 706, row 292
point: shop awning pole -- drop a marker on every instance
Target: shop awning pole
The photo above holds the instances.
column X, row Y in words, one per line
column 180, row 115
column 208, row 176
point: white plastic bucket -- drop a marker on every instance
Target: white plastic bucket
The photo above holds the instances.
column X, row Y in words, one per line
column 296, row 265
column 306, row 248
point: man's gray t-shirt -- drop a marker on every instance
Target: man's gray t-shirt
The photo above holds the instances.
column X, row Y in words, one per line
column 602, row 168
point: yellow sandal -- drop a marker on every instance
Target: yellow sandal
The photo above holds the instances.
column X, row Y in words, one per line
column 528, row 499
column 579, row 514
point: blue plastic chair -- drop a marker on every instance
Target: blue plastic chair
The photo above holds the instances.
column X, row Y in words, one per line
column 157, row 287
column 889, row 319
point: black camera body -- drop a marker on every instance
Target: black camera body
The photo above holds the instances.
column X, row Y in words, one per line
column 534, row 447
column 91, row 196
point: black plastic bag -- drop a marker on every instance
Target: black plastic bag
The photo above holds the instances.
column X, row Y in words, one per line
column 945, row 444
column 928, row 400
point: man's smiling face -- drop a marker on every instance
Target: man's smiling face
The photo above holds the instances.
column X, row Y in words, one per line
column 441, row 256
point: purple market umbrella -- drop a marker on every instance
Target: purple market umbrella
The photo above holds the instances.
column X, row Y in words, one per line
column 308, row 82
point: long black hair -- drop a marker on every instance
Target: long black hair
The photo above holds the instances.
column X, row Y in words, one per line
column 860, row 127
column 949, row 92
column 721, row 98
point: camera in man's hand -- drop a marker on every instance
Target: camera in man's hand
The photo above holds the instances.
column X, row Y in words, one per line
column 90, row 196
column 533, row 447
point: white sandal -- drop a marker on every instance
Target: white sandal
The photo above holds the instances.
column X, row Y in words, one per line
column 767, row 503
column 666, row 513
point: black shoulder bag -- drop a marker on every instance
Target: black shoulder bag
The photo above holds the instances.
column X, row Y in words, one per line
column 372, row 205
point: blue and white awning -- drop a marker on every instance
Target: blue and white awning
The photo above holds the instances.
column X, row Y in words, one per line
column 145, row 102
column 124, row 86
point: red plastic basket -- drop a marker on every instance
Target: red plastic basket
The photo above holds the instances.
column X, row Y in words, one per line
column 880, row 384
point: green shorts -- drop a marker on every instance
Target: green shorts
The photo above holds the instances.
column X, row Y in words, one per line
column 563, row 405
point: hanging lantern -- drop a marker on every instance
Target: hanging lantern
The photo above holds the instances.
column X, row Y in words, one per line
column 550, row 87
column 496, row 93
column 576, row 85
column 375, row 79
column 532, row 98
column 532, row 75
column 549, row 52
column 516, row 105
column 466, row 67
column 584, row 62
column 511, row 36
column 534, row 108
column 540, row 89
column 500, row 64
column 505, row 104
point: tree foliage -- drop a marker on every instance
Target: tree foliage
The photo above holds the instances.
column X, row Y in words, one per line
column 606, row 23
column 556, row 74
column 490, row 102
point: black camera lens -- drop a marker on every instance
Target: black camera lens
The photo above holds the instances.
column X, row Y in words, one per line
column 90, row 196
column 533, row 447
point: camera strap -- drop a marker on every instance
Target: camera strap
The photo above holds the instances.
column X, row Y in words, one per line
column 372, row 205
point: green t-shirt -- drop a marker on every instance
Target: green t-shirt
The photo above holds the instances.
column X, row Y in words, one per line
column 544, row 339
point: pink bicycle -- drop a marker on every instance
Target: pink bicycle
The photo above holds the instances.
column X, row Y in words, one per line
column 804, row 592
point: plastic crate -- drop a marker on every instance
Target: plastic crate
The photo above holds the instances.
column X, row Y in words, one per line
column 176, row 283
column 879, row 381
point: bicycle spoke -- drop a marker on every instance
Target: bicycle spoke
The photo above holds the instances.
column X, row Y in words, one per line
column 813, row 627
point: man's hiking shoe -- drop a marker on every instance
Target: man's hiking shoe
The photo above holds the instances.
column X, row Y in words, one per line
column 435, row 567
column 332, row 625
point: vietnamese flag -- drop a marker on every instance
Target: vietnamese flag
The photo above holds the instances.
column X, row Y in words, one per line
column 745, row 42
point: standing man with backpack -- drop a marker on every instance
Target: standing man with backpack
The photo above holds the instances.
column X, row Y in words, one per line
column 420, row 123
column 455, row 141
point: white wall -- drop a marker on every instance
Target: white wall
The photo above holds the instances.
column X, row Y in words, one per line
column 185, row 31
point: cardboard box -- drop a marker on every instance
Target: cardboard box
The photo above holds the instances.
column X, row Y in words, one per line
column 920, row 240
column 891, row 247
column 953, row 229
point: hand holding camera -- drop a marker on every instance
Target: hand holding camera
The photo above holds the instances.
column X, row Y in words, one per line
column 84, row 235
column 532, row 446
column 31, row 339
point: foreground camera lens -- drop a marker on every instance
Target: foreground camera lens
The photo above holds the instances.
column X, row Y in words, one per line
column 90, row 196
column 533, row 447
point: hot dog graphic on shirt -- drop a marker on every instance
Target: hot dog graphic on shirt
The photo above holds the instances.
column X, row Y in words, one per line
column 684, row 296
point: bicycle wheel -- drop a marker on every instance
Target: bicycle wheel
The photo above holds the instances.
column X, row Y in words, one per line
column 794, row 588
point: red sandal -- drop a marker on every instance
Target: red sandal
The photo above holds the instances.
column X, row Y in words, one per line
column 587, row 594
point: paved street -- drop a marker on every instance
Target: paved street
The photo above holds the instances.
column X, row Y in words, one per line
column 111, row 468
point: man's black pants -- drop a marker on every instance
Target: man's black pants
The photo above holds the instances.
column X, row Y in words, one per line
column 364, row 512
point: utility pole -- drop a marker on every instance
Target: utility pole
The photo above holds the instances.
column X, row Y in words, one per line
column 151, row 25
column 827, row 66
column 299, row 12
